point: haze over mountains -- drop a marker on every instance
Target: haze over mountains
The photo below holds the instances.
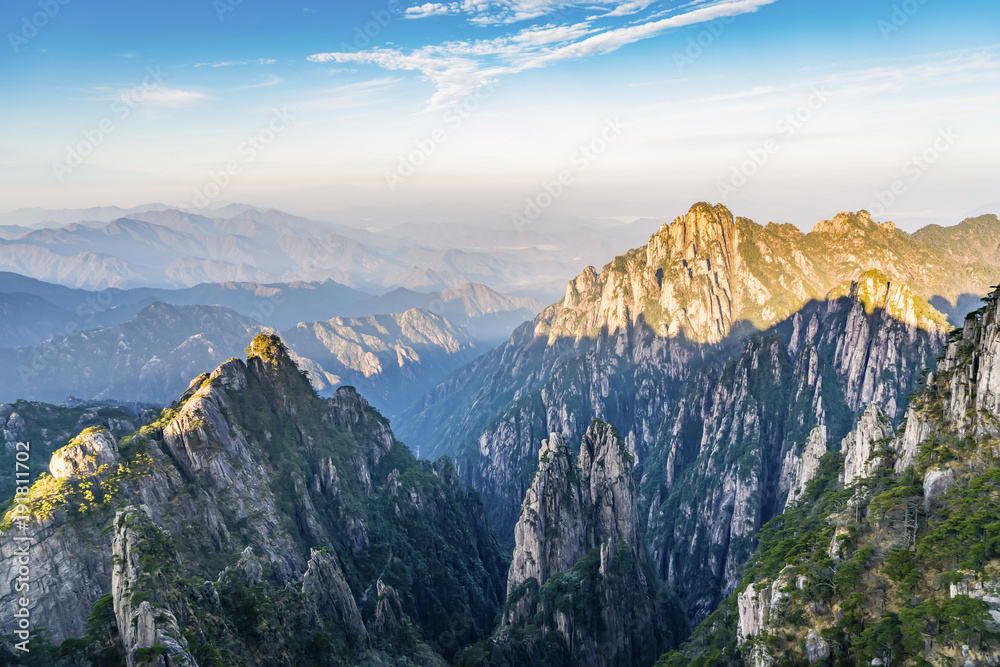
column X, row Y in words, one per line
column 155, row 246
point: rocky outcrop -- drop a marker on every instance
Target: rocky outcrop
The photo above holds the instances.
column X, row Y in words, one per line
column 389, row 615
column 963, row 392
column 756, row 605
column 872, row 429
column 577, row 540
column 325, row 584
column 145, row 630
column 936, row 484
column 799, row 468
column 85, row 455
column 12, row 426
column 817, row 649
column 217, row 456
column 247, row 570
column 753, row 607
column 551, row 535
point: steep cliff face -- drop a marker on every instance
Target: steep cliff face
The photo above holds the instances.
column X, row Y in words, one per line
column 882, row 336
column 143, row 628
column 722, row 486
column 623, row 342
column 255, row 518
column 551, row 534
column 893, row 554
column 798, row 468
column 742, row 445
column 579, row 588
column 963, row 393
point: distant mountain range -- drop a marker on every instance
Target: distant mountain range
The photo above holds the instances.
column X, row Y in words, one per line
column 143, row 343
column 35, row 310
column 151, row 356
column 156, row 246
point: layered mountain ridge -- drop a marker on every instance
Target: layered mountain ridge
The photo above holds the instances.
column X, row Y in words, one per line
column 732, row 425
column 151, row 357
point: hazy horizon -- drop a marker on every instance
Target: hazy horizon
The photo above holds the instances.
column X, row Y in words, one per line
column 784, row 110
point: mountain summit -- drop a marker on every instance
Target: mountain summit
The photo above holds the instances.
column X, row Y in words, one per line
column 708, row 275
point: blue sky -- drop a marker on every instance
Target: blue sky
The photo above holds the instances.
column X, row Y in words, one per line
column 786, row 110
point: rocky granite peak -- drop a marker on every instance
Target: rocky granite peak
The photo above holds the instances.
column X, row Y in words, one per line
column 577, row 541
column 608, row 484
column 847, row 223
column 706, row 231
column 552, row 533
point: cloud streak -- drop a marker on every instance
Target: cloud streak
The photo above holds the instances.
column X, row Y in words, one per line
column 162, row 96
column 232, row 63
column 457, row 68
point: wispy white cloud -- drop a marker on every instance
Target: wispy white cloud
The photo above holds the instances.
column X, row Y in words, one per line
column 661, row 82
column 756, row 91
column 231, row 63
column 430, row 9
column 273, row 80
column 161, row 96
column 949, row 68
column 457, row 68
column 627, row 8
column 349, row 96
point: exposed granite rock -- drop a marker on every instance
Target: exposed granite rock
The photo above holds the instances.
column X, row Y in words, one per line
column 872, row 427
column 936, row 484
column 140, row 624
column 964, row 389
column 85, row 454
column 69, row 571
column 389, row 615
column 247, row 568
column 551, row 534
column 797, row 471
column 578, row 535
column 754, row 608
column 324, row 582
column 701, row 527
column 816, row 648
column 217, row 455
column 888, row 335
